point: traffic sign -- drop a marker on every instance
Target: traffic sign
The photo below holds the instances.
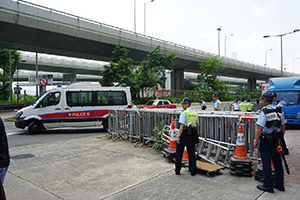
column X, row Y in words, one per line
column 43, row 81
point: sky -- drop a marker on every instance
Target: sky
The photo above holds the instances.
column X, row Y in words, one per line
column 194, row 23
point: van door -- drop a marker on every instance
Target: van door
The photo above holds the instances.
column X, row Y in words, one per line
column 109, row 99
column 50, row 109
column 78, row 110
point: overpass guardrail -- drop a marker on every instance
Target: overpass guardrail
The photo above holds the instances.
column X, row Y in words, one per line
column 137, row 125
column 12, row 106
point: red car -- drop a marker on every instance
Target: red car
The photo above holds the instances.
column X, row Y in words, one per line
column 158, row 103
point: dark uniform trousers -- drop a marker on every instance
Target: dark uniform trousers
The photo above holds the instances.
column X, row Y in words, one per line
column 189, row 142
column 267, row 153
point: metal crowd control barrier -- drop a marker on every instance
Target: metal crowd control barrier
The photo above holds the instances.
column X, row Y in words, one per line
column 165, row 136
column 215, row 152
column 137, row 125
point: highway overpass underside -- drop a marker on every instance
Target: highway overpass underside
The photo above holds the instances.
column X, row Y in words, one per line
column 177, row 81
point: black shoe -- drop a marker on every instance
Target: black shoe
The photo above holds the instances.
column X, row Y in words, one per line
column 177, row 173
column 280, row 188
column 263, row 188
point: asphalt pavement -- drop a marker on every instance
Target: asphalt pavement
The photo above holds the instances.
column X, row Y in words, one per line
column 96, row 168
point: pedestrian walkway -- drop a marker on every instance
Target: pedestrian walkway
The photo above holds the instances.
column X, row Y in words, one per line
column 292, row 138
column 91, row 168
column 7, row 114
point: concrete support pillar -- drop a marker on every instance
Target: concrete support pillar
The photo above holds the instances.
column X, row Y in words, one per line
column 69, row 78
column 251, row 84
column 177, row 79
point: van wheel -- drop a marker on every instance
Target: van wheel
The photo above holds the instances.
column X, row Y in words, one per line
column 105, row 125
column 35, row 127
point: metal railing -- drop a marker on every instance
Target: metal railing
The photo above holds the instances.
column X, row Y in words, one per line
column 12, row 106
column 137, row 125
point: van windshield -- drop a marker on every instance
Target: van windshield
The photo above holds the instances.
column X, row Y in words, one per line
column 289, row 97
column 37, row 100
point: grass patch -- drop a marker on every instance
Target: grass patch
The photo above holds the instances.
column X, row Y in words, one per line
column 10, row 119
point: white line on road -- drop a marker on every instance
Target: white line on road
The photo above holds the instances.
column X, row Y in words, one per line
column 13, row 133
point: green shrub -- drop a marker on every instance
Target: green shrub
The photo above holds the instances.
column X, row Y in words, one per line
column 157, row 131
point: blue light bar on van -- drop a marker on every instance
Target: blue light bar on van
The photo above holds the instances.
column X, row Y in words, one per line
column 123, row 85
column 59, row 86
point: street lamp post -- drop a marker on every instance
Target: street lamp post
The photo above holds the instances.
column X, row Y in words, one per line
column 266, row 36
column 294, row 63
column 145, row 15
column 225, row 43
column 36, row 76
column 266, row 56
column 10, row 78
column 134, row 16
column 219, row 29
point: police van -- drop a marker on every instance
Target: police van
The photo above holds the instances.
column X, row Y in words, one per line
column 77, row 105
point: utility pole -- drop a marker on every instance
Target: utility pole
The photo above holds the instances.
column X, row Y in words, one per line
column 10, row 81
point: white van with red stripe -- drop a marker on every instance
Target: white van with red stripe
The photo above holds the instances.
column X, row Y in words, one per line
column 77, row 105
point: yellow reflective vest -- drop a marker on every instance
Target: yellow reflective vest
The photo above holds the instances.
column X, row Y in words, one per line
column 243, row 107
column 219, row 108
column 250, row 107
column 191, row 118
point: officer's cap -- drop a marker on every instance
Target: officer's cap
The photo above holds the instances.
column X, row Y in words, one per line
column 236, row 99
column 215, row 95
column 266, row 96
column 186, row 100
column 248, row 99
column 242, row 98
column 274, row 94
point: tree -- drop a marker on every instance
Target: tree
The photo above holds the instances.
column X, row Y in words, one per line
column 5, row 71
column 151, row 72
column 210, row 69
column 120, row 70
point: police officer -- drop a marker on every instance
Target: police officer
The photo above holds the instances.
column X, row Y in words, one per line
column 278, row 103
column 235, row 104
column 217, row 103
column 250, row 105
column 203, row 104
column 132, row 103
column 275, row 101
column 188, row 132
column 243, row 105
column 4, row 157
column 270, row 126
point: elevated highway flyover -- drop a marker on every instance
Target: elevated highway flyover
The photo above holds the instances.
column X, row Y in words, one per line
column 52, row 64
column 30, row 27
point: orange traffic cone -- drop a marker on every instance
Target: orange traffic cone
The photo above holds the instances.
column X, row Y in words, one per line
column 185, row 155
column 173, row 136
column 240, row 149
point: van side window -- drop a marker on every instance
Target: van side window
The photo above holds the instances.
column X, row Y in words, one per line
column 53, row 98
column 79, row 98
column 111, row 98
